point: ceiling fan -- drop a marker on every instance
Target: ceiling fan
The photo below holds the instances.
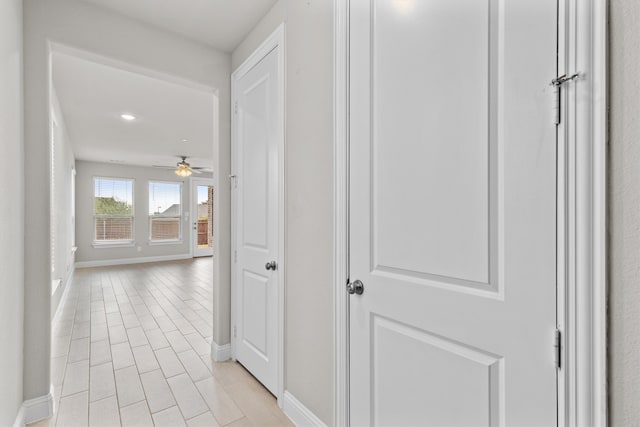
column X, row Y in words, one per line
column 184, row 169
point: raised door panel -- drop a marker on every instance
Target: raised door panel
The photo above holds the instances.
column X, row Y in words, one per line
column 255, row 300
column 255, row 139
column 433, row 138
column 406, row 363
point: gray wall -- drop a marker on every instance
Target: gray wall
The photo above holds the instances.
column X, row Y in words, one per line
column 624, row 213
column 85, row 26
column 141, row 176
column 64, row 164
column 309, row 196
column 12, row 212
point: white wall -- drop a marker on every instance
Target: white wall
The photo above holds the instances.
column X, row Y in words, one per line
column 141, row 176
column 64, row 165
column 12, row 211
column 624, row 211
column 85, row 26
column 309, row 196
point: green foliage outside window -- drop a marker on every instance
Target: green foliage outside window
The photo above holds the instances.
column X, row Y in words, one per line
column 111, row 206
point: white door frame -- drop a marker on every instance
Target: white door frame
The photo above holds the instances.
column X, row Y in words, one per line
column 193, row 216
column 275, row 41
column 582, row 287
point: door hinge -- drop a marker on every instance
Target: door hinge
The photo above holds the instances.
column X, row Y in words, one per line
column 235, row 107
column 557, row 89
column 235, row 332
column 233, row 178
column 235, row 256
column 557, row 348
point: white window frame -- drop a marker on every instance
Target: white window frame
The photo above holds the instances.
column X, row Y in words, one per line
column 178, row 240
column 582, row 378
column 115, row 243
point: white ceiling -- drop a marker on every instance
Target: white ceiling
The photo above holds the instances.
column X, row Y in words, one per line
column 221, row 24
column 92, row 97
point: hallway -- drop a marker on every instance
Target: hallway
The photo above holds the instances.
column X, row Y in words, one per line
column 131, row 346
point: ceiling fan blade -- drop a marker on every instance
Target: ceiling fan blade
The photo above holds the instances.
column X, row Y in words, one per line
column 163, row 167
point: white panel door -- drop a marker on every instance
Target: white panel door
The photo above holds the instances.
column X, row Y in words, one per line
column 452, row 212
column 258, row 135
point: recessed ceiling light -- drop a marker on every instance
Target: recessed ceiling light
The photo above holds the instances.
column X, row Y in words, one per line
column 128, row 117
column 184, row 141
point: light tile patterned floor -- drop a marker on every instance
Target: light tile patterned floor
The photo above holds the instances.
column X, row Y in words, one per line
column 131, row 346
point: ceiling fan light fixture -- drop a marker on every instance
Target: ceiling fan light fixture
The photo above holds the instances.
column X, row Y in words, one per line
column 183, row 170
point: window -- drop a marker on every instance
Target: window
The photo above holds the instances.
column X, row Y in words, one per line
column 165, row 211
column 113, row 210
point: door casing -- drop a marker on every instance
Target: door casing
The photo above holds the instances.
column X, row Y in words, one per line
column 581, row 213
column 275, row 41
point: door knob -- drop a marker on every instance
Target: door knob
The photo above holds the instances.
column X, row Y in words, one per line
column 271, row 266
column 355, row 287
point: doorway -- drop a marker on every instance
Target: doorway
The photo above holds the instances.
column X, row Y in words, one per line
column 202, row 192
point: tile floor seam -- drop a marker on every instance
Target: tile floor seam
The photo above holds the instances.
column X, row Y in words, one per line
column 143, row 392
column 105, row 398
column 170, row 391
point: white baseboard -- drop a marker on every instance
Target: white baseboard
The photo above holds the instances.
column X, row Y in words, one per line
column 34, row 410
column 125, row 261
column 65, row 291
column 55, row 284
column 70, row 274
column 20, row 421
column 220, row 353
column 300, row 414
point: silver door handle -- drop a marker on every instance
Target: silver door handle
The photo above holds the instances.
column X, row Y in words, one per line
column 271, row 266
column 355, row 287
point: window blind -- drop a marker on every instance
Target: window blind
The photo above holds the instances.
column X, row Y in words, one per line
column 113, row 209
